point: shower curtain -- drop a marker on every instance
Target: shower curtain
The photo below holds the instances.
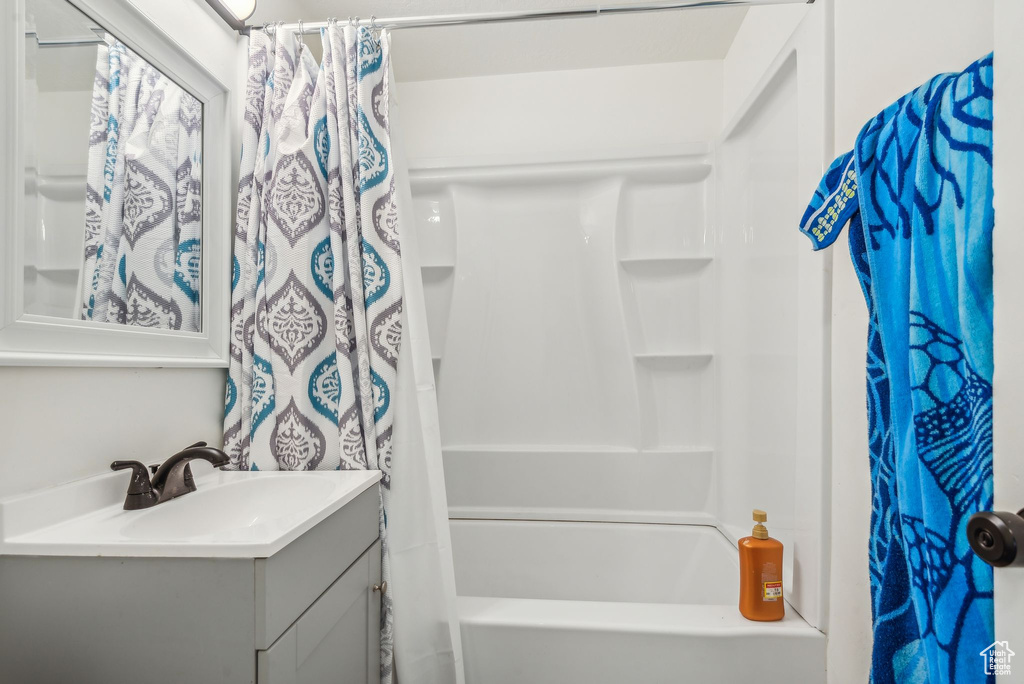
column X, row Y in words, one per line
column 143, row 221
column 319, row 319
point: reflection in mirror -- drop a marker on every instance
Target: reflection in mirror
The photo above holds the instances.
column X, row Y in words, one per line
column 113, row 179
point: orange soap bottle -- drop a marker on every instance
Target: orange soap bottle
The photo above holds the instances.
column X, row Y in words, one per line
column 761, row 574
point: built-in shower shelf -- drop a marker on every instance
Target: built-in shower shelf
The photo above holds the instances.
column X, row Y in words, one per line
column 577, row 482
column 51, row 270
column 675, row 358
column 550, row 452
column 680, row 450
column 547, row 450
column 658, row 262
column 64, row 187
column 691, row 167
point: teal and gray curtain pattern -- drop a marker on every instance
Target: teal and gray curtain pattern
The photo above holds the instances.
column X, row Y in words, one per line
column 317, row 284
column 143, row 219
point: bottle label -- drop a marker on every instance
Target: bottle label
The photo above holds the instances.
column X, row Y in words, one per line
column 772, row 591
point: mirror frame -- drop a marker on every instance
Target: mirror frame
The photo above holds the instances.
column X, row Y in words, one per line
column 34, row 340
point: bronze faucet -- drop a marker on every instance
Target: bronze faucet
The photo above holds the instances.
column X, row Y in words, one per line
column 171, row 479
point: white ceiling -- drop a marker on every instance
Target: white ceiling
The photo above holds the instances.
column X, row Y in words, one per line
column 589, row 42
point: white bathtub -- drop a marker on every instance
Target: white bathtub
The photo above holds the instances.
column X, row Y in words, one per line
column 611, row 603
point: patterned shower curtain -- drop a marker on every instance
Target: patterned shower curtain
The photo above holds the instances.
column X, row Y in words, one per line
column 143, row 223
column 317, row 285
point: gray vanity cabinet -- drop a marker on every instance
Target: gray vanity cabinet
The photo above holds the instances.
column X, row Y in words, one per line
column 337, row 639
column 307, row 613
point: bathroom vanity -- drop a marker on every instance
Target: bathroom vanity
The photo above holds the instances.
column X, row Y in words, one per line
column 254, row 577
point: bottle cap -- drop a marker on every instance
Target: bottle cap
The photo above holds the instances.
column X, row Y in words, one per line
column 760, row 531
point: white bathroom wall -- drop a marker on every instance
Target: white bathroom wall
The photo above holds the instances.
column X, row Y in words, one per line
column 761, row 35
column 60, row 424
column 772, row 442
column 615, row 111
column 569, row 298
column 882, row 50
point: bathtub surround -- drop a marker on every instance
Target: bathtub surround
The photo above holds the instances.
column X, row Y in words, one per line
column 616, row 603
column 671, row 278
column 318, row 288
column 143, row 214
column 920, row 186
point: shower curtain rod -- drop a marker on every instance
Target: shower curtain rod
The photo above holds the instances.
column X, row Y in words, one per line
column 536, row 15
column 72, row 42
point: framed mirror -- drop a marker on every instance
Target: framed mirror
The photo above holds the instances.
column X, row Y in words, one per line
column 116, row 230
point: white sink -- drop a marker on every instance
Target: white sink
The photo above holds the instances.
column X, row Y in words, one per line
column 231, row 508
column 231, row 515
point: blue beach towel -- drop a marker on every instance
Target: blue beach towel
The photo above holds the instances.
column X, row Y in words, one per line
column 917, row 193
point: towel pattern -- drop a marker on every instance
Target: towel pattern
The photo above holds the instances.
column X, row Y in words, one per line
column 917, row 194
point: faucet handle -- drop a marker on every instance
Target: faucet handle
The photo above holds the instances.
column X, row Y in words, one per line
column 140, row 477
column 140, row 489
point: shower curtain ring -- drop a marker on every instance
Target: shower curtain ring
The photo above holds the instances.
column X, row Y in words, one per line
column 300, row 29
column 376, row 31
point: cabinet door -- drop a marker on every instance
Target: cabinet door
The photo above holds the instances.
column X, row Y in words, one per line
column 373, row 616
column 337, row 639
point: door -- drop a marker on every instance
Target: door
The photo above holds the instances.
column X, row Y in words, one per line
column 1008, row 282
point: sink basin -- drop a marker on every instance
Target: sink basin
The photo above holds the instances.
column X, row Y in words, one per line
column 231, row 507
column 231, row 515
